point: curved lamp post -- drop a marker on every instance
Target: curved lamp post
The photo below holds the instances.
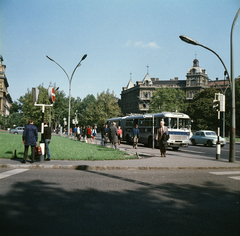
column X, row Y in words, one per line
column 70, row 81
column 232, row 83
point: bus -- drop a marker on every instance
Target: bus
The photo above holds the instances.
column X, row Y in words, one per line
column 179, row 127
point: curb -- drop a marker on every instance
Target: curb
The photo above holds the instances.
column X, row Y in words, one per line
column 87, row 167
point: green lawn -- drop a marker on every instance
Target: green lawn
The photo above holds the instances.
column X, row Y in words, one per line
column 61, row 149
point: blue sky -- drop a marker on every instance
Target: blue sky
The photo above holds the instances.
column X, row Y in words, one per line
column 119, row 36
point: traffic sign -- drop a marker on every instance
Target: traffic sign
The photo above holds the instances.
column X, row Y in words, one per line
column 51, row 94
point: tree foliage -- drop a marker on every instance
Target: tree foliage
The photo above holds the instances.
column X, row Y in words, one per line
column 168, row 99
column 201, row 110
column 105, row 107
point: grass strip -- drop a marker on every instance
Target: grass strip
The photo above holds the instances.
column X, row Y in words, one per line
column 61, row 148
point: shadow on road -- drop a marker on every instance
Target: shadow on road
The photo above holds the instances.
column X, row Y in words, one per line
column 44, row 208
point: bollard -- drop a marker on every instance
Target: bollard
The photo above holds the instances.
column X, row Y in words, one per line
column 218, row 151
column 41, row 158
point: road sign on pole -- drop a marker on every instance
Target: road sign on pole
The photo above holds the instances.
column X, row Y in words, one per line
column 51, row 94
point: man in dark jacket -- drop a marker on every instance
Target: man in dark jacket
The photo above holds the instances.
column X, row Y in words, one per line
column 160, row 137
column 30, row 138
column 47, row 139
column 103, row 134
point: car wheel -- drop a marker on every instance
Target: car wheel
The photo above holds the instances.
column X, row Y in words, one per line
column 209, row 143
column 222, row 145
column 193, row 142
column 15, row 133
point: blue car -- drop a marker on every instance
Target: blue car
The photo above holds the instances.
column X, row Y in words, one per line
column 207, row 138
column 17, row 130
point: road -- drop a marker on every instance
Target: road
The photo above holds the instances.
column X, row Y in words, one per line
column 164, row 202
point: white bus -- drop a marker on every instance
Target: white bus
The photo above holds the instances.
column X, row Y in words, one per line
column 179, row 127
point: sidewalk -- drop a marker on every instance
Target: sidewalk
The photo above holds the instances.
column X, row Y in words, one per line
column 149, row 159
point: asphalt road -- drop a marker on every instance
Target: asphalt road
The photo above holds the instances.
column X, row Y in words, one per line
column 73, row 202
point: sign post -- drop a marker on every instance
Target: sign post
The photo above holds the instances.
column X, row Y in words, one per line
column 51, row 93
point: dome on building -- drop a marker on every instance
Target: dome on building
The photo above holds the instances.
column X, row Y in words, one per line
column 196, row 67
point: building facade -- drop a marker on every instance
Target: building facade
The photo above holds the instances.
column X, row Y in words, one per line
column 135, row 98
column 5, row 98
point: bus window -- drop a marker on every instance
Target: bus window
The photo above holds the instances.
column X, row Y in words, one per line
column 184, row 123
column 129, row 123
column 151, row 123
column 166, row 121
column 135, row 122
column 141, row 122
column 173, row 123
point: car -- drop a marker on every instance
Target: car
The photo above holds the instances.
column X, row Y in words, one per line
column 207, row 137
column 17, row 130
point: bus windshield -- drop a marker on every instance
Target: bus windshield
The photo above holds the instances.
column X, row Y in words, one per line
column 173, row 123
column 184, row 123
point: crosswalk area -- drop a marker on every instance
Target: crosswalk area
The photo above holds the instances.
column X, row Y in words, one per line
column 230, row 174
column 11, row 172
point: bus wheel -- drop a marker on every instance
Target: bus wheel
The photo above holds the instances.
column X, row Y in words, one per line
column 175, row 148
column 128, row 139
column 150, row 142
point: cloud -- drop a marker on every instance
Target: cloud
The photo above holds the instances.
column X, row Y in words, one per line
column 152, row 45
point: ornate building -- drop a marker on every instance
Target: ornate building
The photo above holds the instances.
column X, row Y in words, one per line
column 5, row 98
column 135, row 98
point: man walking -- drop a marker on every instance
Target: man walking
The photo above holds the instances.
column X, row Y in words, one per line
column 135, row 136
column 160, row 137
column 113, row 135
column 30, row 138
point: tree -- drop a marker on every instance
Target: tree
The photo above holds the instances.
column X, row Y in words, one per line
column 60, row 108
column 105, row 107
column 201, row 110
column 237, row 107
column 168, row 99
column 34, row 112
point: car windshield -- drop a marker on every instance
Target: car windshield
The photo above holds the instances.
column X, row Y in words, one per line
column 210, row 133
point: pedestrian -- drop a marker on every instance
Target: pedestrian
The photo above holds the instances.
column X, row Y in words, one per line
column 162, row 134
column 75, row 132
column 113, row 135
column 103, row 135
column 119, row 135
column 107, row 133
column 89, row 134
column 136, row 136
column 84, row 133
column 81, row 133
column 30, row 138
column 78, row 133
column 47, row 139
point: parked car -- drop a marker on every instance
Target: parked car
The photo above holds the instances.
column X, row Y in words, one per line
column 206, row 137
column 17, row 130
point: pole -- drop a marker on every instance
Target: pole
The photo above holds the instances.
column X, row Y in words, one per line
column 218, row 146
column 69, row 108
column 233, row 115
column 70, row 80
column 153, row 141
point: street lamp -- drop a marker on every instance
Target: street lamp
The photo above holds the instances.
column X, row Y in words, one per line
column 232, row 83
column 70, row 81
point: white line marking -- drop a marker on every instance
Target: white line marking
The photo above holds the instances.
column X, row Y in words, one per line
column 235, row 177
column 237, row 172
column 11, row 172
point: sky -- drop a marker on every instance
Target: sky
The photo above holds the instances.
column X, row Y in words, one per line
column 123, row 39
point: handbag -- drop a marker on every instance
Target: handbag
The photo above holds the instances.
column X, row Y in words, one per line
column 38, row 151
